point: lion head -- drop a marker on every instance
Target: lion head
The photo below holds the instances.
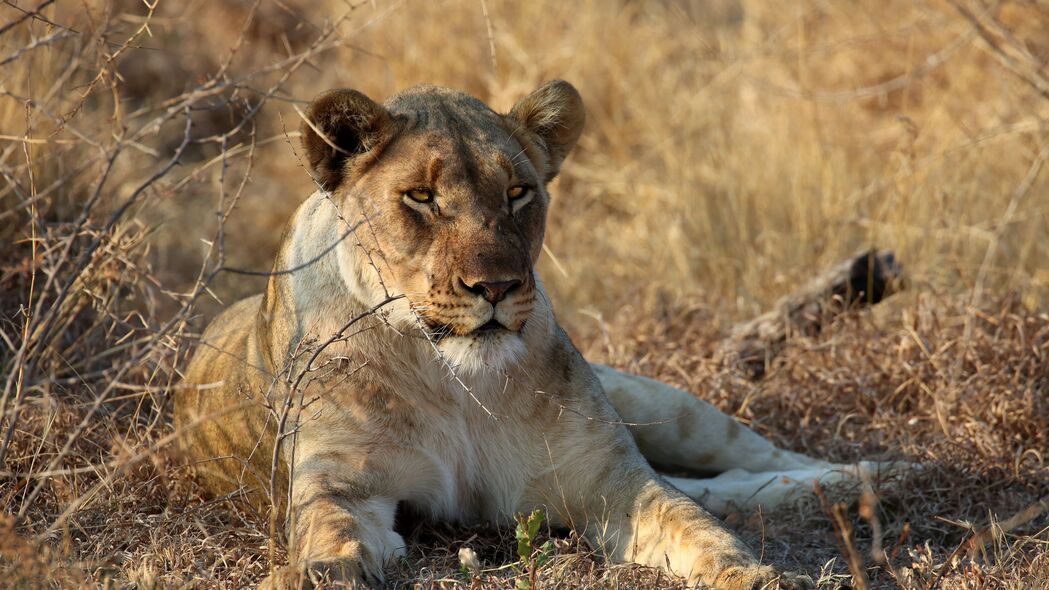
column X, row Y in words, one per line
column 448, row 199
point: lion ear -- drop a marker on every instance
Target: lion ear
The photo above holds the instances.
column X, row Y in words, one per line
column 555, row 113
column 339, row 125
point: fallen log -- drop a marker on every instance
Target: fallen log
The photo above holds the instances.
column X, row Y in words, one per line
column 858, row 282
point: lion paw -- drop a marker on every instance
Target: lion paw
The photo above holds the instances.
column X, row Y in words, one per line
column 349, row 573
column 761, row 577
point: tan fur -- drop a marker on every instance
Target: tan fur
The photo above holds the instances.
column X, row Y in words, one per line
column 418, row 406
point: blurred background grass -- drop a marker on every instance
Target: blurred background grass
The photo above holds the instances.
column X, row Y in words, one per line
column 732, row 147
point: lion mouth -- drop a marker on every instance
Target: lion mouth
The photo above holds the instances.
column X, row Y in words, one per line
column 439, row 331
column 491, row 325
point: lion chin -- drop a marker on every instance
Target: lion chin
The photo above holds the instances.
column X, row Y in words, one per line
column 482, row 353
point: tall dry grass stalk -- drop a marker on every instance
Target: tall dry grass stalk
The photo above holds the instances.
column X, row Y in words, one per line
column 732, row 147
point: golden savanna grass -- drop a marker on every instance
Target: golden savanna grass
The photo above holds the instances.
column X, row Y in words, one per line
column 733, row 149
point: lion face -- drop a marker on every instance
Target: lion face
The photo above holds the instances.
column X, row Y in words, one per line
column 450, row 200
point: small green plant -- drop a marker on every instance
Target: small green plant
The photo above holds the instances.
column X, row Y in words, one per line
column 531, row 558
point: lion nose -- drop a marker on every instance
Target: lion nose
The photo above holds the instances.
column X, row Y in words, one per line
column 493, row 291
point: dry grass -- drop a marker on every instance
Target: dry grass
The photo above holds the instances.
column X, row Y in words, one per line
column 732, row 148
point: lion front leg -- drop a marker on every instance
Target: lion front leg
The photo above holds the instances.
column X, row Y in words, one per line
column 602, row 487
column 665, row 527
column 338, row 534
column 639, row 518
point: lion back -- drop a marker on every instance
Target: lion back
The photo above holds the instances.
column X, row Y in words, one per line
column 224, row 430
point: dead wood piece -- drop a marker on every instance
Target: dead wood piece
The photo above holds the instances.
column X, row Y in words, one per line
column 861, row 281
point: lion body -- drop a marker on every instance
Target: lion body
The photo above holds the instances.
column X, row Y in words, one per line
column 377, row 402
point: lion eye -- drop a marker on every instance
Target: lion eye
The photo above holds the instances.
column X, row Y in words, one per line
column 420, row 195
column 516, row 192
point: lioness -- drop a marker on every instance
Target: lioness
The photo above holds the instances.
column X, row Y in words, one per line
column 464, row 399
